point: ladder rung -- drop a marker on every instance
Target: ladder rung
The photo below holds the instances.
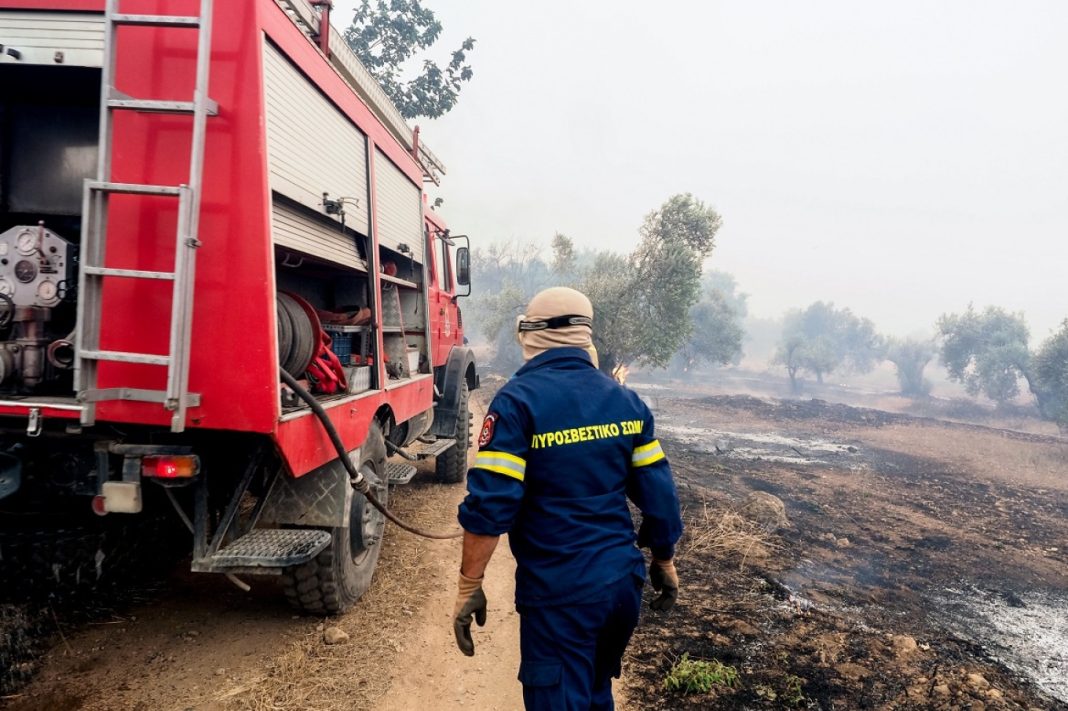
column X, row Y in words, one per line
column 129, row 273
column 122, row 357
column 159, row 396
column 160, row 106
column 133, row 188
column 156, row 20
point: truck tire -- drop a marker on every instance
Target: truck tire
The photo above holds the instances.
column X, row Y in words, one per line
column 337, row 577
column 451, row 466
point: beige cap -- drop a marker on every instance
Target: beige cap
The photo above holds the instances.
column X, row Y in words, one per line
column 535, row 332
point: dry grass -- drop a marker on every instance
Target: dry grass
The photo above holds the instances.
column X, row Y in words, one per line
column 309, row 674
column 1040, row 464
column 725, row 533
column 312, row 676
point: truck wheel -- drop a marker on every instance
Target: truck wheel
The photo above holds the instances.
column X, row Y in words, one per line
column 452, row 465
column 337, row 577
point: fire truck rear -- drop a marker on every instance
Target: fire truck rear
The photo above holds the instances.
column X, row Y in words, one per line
column 194, row 198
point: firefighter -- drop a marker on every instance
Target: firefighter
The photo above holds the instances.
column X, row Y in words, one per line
column 562, row 448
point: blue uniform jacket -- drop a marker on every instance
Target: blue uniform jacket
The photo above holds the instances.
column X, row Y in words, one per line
column 562, row 449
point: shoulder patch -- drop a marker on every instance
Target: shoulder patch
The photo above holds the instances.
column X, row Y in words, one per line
column 486, row 435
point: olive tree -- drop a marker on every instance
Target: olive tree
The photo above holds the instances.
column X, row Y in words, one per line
column 986, row 351
column 642, row 302
column 717, row 332
column 1049, row 374
column 789, row 355
column 910, row 357
column 821, row 339
column 508, row 274
column 564, row 257
column 386, row 36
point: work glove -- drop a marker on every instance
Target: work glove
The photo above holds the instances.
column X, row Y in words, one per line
column 470, row 600
column 665, row 581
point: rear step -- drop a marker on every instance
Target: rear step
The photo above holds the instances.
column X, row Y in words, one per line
column 399, row 472
column 267, row 548
column 426, row 450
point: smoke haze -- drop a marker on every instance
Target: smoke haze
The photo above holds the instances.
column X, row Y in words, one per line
column 901, row 160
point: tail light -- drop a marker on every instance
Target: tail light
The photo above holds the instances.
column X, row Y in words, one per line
column 177, row 466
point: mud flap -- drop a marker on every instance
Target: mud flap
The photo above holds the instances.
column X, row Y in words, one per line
column 447, row 381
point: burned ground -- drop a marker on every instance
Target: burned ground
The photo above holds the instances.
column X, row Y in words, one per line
column 64, row 572
column 907, row 567
column 924, row 567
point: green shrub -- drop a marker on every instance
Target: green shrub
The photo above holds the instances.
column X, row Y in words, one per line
column 793, row 694
column 696, row 676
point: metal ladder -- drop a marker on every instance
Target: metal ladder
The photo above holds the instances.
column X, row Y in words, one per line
column 92, row 270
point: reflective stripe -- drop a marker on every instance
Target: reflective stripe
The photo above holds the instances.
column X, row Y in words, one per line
column 647, row 454
column 502, row 463
column 655, row 444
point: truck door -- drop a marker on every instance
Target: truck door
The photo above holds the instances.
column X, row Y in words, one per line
column 445, row 314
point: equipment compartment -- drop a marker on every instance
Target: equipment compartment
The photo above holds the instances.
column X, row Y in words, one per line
column 48, row 146
column 342, row 309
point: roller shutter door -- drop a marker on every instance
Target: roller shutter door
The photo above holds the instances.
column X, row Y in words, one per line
column 293, row 228
column 38, row 36
column 400, row 207
column 312, row 148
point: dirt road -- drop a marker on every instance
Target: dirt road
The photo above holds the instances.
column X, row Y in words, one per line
column 925, row 568
column 198, row 643
column 195, row 642
column 434, row 675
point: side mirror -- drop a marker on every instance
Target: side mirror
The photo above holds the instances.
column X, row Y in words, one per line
column 463, row 266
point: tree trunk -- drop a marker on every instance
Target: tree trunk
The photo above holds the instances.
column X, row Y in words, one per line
column 607, row 363
column 1040, row 400
column 792, row 372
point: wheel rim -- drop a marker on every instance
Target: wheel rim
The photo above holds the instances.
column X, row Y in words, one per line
column 366, row 523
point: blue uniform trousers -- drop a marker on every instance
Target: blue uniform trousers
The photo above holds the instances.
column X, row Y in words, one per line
column 571, row 652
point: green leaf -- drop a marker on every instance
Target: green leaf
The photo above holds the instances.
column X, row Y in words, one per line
column 386, row 36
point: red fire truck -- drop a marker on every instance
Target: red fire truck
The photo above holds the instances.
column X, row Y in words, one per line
column 197, row 199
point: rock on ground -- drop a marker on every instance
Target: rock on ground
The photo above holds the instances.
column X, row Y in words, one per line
column 766, row 510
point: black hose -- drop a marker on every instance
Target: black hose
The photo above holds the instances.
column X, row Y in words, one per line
column 359, row 482
column 394, row 449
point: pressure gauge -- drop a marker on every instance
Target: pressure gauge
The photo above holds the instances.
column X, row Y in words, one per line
column 26, row 242
column 25, row 271
column 6, row 287
column 47, row 291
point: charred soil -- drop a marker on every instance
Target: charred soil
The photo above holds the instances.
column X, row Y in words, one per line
column 923, row 567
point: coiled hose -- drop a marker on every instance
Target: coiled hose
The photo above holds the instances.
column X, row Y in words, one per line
column 358, row 481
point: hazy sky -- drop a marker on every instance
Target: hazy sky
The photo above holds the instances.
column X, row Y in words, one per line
column 901, row 158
